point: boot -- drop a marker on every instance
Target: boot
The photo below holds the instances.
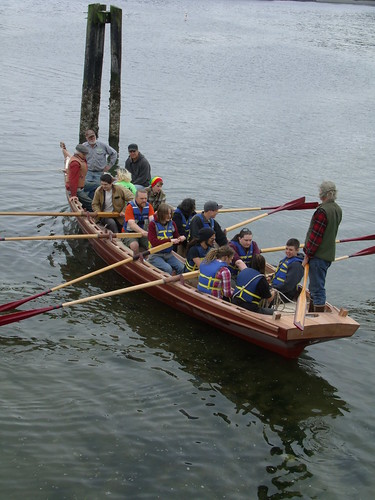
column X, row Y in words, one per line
column 320, row 309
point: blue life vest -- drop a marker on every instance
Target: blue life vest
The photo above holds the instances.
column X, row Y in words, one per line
column 207, row 273
column 282, row 269
column 210, row 223
column 163, row 233
column 244, row 255
column 139, row 217
column 247, row 282
column 190, row 265
column 185, row 222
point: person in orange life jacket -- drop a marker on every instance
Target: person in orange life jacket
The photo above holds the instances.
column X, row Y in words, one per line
column 138, row 214
column 76, row 173
column 214, row 275
column 252, row 287
column 289, row 272
column 155, row 194
column 182, row 216
column 162, row 230
column 244, row 248
column 198, row 248
column 111, row 198
column 207, row 219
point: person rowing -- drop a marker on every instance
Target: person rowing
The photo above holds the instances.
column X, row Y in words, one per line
column 198, row 248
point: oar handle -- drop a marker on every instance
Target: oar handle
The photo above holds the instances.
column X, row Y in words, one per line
column 248, row 221
column 73, row 237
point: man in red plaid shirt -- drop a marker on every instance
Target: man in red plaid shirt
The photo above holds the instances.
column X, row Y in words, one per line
column 320, row 243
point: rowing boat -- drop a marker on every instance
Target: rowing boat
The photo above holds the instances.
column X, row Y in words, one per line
column 276, row 333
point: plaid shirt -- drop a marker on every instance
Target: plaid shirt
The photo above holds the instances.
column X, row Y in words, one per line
column 315, row 238
column 222, row 282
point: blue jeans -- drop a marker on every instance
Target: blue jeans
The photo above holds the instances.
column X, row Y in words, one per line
column 92, row 182
column 317, row 274
column 166, row 262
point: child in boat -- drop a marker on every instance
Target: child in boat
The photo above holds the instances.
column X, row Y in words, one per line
column 155, row 194
column 214, row 277
column 124, row 178
column 289, row 272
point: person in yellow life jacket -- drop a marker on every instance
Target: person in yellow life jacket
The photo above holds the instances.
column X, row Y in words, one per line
column 198, row 248
column 162, row 230
column 214, row 275
column 252, row 287
column 289, row 272
column 244, row 247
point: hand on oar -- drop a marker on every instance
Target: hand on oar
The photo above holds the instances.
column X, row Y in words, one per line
column 64, row 214
column 359, row 238
column 361, row 253
column 18, row 316
column 286, row 206
column 17, row 303
column 303, row 206
column 301, row 306
column 107, row 235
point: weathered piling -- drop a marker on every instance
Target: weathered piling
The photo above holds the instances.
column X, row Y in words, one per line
column 97, row 17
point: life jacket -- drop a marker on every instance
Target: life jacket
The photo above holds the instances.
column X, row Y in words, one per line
column 82, row 171
column 163, row 233
column 244, row 255
column 185, row 222
column 190, row 265
column 210, row 223
column 247, row 282
column 207, row 273
column 139, row 217
column 282, row 269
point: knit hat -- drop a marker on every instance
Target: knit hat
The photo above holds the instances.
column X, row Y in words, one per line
column 205, row 234
column 82, row 149
column 155, row 181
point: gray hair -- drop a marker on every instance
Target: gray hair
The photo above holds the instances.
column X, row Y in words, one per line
column 328, row 191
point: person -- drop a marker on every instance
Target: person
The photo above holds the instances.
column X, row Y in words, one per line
column 76, row 171
column 207, row 219
column 289, row 271
column 320, row 243
column 244, row 248
column 111, row 198
column 138, row 214
column 182, row 217
column 100, row 159
column 214, row 276
column 124, row 179
column 198, row 248
column 155, row 193
column 138, row 166
column 252, row 287
column 162, row 230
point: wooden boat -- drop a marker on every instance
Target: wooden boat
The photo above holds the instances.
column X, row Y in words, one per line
column 276, row 333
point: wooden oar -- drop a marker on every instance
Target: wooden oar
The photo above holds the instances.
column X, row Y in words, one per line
column 286, row 206
column 360, row 238
column 16, row 303
column 365, row 251
column 18, row 316
column 74, row 237
column 63, row 214
column 301, row 306
column 303, row 206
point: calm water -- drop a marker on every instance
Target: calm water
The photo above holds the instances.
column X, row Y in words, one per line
column 248, row 103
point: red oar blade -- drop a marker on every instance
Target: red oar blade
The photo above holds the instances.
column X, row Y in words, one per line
column 365, row 251
column 360, row 238
column 304, row 206
column 17, row 303
column 19, row 316
column 288, row 206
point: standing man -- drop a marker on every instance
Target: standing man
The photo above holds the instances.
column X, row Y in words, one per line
column 207, row 219
column 76, row 174
column 320, row 243
column 110, row 197
column 139, row 167
column 100, row 159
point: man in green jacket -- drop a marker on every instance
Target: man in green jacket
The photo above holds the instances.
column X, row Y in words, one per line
column 320, row 243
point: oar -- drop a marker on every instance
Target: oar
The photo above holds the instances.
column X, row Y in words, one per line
column 365, row 251
column 286, row 206
column 301, row 306
column 303, row 206
column 18, row 316
column 360, row 238
column 74, row 236
column 63, row 214
column 16, row 303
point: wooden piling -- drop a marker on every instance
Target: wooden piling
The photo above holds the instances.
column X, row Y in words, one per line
column 115, row 84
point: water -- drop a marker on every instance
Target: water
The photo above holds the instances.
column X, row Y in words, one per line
column 248, row 103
